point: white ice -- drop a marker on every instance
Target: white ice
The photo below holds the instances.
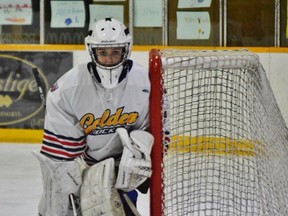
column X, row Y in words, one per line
column 21, row 183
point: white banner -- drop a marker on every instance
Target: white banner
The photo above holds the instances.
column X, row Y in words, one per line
column 67, row 14
column 15, row 12
column 193, row 25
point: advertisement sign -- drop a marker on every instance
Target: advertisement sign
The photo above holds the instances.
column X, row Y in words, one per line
column 20, row 103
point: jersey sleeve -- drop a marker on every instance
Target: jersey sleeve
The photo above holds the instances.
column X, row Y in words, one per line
column 63, row 137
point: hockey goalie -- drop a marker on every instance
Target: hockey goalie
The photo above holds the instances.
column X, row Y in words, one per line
column 95, row 153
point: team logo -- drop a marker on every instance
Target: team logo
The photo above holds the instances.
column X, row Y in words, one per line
column 145, row 90
column 54, row 87
column 108, row 122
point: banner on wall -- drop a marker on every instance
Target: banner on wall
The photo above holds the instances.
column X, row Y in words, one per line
column 15, row 12
column 67, row 14
column 20, row 103
column 193, row 25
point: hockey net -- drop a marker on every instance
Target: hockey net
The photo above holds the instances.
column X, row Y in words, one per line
column 226, row 152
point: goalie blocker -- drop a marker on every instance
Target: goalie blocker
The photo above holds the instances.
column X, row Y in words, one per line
column 96, row 185
column 135, row 164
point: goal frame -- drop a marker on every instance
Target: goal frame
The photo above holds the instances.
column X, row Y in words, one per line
column 156, row 130
column 242, row 160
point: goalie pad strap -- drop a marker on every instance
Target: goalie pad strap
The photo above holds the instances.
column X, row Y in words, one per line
column 131, row 205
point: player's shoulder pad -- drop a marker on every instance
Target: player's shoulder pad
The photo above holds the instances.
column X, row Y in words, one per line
column 139, row 75
column 77, row 76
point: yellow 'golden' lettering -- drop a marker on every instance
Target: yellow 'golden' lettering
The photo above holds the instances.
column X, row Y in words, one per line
column 87, row 119
column 132, row 117
column 96, row 123
column 89, row 123
column 104, row 117
column 124, row 119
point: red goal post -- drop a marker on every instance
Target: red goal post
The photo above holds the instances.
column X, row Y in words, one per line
column 228, row 148
column 156, row 130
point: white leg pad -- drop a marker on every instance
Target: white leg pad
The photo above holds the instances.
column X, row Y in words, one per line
column 98, row 194
column 60, row 178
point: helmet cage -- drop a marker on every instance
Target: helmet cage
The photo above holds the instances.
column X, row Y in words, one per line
column 125, row 54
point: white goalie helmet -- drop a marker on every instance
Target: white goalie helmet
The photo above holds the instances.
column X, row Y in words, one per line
column 109, row 34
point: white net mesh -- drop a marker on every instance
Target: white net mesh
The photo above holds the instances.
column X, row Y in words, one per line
column 228, row 153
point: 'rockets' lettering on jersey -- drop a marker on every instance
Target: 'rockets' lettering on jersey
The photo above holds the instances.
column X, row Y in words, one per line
column 106, row 121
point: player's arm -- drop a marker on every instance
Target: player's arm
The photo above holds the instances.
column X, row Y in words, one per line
column 63, row 137
column 63, row 141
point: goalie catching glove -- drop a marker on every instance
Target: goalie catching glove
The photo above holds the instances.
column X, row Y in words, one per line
column 135, row 164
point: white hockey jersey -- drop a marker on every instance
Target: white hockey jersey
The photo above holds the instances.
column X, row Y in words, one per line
column 82, row 117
